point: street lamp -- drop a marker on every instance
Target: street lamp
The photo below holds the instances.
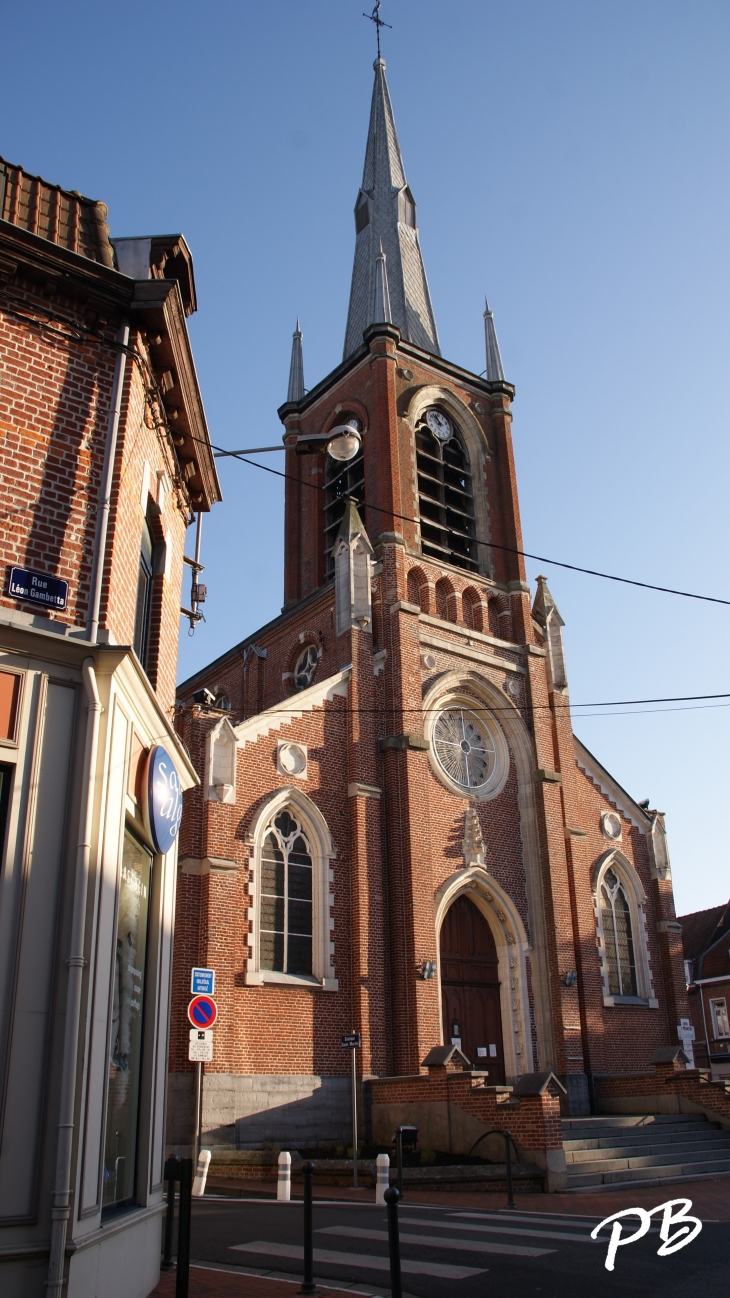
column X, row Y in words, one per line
column 345, row 442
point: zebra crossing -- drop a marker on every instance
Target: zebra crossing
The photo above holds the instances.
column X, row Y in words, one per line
column 442, row 1243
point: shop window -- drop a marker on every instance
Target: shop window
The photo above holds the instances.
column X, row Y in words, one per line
column 9, row 695
column 6, row 779
column 285, row 917
column 125, row 1054
column 720, row 1020
column 617, row 936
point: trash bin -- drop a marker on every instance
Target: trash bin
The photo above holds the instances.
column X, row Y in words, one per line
column 408, row 1136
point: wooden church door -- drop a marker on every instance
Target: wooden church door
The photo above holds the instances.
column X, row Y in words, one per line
column 470, row 988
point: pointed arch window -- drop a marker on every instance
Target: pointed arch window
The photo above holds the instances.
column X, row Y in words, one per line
column 618, row 937
column 285, row 925
column 445, row 493
column 342, row 479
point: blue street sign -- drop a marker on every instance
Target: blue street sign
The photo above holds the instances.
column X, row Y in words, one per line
column 37, row 588
column 351, row 1040
column 164, row 799
column 202, row 982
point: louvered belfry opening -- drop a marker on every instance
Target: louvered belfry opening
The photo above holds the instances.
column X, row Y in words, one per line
column 341, row 479
column 445, row 497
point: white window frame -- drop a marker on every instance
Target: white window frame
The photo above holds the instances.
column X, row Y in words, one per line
column 323, row 852
column 714, row 1003
column 636, row 897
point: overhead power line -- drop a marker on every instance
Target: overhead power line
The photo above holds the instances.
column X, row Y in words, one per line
column 490, row 545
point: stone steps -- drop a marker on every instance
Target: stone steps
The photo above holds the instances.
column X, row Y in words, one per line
column 623, row 1149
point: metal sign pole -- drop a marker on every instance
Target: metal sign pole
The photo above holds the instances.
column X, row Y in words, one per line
column 198, row 1095
column 354, row 1119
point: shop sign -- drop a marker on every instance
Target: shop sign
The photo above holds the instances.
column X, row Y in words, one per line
column 164, row 799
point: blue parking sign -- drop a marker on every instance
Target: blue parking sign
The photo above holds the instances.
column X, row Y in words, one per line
column 202, row 982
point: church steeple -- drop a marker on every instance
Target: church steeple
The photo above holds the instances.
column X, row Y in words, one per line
column 495, row 372
column 296, row 369
column 385, row 220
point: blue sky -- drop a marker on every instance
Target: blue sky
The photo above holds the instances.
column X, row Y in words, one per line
column 568, row 159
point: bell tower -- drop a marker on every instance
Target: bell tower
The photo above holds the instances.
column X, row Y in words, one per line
column 434, row 471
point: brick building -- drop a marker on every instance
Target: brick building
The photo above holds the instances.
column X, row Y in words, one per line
column 105, row 459
column 396, row 829
column 706, row 943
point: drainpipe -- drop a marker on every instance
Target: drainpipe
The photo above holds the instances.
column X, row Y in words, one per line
column 102, row 525
column 62, row 1188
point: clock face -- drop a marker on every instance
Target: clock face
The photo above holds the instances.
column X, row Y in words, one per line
column 439, row 424
column 464, row 748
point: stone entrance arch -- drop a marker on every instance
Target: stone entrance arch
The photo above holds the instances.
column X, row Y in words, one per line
column 470, row 1000
column 513, row 950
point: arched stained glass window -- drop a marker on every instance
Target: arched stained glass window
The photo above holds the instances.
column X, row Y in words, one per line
column 285, row 920
column 618, row 940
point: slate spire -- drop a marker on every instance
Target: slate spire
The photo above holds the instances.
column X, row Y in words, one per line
column 495, row 371
column 296, row 369
column 385, row 219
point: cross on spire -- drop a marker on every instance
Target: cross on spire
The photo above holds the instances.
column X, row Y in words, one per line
column 374, row 17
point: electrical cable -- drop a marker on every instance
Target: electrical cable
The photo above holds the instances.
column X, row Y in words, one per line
column 78, row 332
column 492, row 545
column 534, row 707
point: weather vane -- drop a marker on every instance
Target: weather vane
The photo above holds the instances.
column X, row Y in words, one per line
column 375, row 18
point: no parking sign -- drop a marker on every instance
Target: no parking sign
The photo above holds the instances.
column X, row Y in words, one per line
column 202, row 1011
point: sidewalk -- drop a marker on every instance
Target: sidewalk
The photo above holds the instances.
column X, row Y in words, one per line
column 711, row 1198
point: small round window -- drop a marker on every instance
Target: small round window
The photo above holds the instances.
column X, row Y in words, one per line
column 306, row 667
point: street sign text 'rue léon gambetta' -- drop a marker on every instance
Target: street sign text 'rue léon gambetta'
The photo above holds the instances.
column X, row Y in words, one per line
column 37, row 588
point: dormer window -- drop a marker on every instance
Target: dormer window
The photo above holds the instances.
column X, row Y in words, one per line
column 445, row 491
column 362, row 212
column 406, row 208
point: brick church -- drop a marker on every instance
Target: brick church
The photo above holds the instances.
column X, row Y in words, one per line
column 397, row 830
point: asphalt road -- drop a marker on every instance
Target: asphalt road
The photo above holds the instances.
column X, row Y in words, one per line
column 480, row 1252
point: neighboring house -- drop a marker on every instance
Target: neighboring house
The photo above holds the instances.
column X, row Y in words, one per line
column 706, row 941
column 396, row 829
column 105, row 459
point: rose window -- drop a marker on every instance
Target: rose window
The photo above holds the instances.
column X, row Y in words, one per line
column 464, row 749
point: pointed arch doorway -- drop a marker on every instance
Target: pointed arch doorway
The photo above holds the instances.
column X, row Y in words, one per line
column 470, row 999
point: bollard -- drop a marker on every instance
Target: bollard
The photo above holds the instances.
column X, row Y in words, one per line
column 382, row 1177
column 182, row 1279
column 391, row 1202
column 508, row 1160
column 283, row 1184
column 308, row 1285
column 201, row 1173
column 172, row 1174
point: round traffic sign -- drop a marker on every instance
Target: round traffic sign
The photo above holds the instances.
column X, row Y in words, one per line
column 202, row 1011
